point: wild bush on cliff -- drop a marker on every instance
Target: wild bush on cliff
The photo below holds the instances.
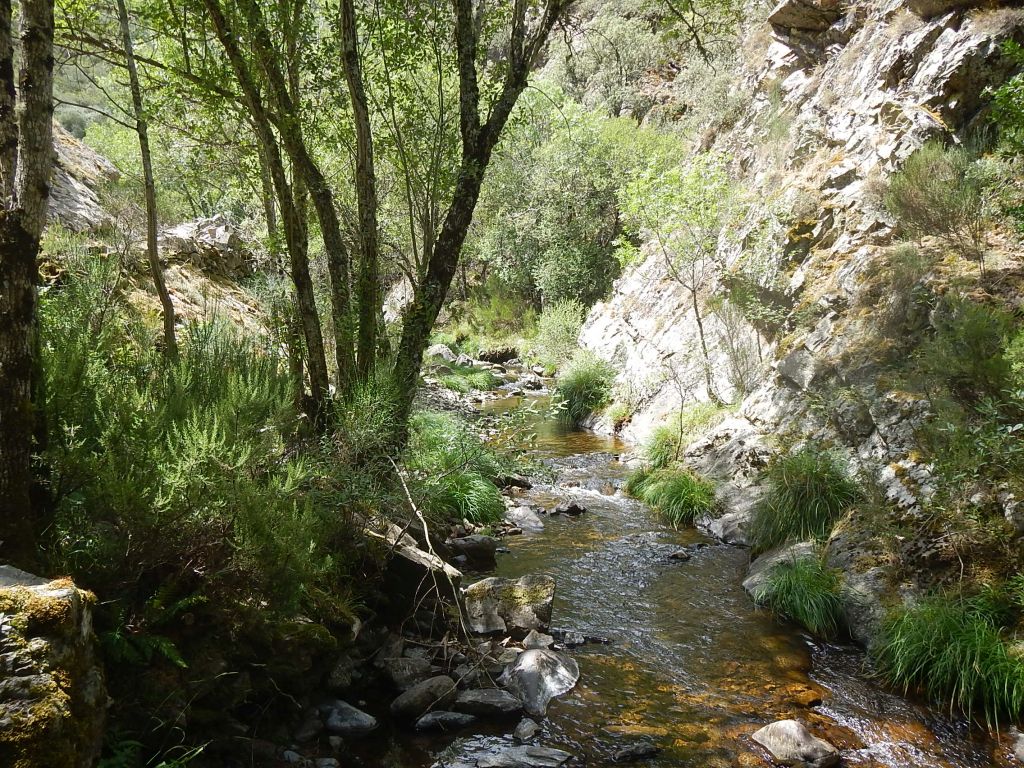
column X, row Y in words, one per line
column 806, row 591
column 666, row 442
column 954, row 649
column 583, row 388
column 807, row 492
column 943, row 192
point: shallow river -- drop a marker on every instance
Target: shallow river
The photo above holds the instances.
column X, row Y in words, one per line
column 692, row 664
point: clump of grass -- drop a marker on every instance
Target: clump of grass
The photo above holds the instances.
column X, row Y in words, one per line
column 455, row 470
column 678, row 495
column 666, row 443
column 466, row 378
column 807, row 492
column 953, row 650
column 583, row 388
column 806, row 591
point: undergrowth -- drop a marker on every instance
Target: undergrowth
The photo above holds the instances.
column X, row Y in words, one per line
column 806, row 591
column 583, row 388
column 678, row 495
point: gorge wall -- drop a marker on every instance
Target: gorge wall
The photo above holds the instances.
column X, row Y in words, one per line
column 841, row 95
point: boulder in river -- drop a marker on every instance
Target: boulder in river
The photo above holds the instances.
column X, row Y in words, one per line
column 498, row 354
column 538, row 676
column 537, row 639
column 342, row 719
column 433, row 693
column 510, row 605
column 790, row 743
column 405, row 672
column 638, row 750
column 570, row 508
column 526, row 730
column 442, row 351
column 525, row 518
column 488, row 702
column 442, row 720
column 525, row 757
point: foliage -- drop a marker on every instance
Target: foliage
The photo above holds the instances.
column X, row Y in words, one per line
column 966, row 351
column 1008, row 102
column 806, row 493
column 583, row 387
column 465, row 378
column 490, row 318
column 557, row 331
column 678, row 495
column 806, row 591
column 955, row 650
column 942, row 191
column 455, row 470
column 667, row 441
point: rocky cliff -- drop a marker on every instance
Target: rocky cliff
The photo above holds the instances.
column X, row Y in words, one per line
column 842, row 94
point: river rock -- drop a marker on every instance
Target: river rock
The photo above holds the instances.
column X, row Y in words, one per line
column 476, row 548
column 343, row 719
column 537, row 639
column 434, row 692
column 571, row 508
column 498, row 354
column 526, row 730
column 444, row 721
column 525, row 757
column 464, row 360
column 406, row 672
column 488, row 702
column 638, row 750
column 525, row 518
column 539, row 675
column 510, row 605
column 790, row 743
column 442, row 352
column 513, row 481
column 680, row 555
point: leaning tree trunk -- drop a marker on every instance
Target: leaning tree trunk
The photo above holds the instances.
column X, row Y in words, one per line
column 142, row 128
column 26, row 160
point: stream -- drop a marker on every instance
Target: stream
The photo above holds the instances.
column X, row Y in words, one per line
column 692, row 664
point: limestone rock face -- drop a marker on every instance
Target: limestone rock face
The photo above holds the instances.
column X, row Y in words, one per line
column 53, row 701
column 213, row 245
column 77, row 174
column 510, row 605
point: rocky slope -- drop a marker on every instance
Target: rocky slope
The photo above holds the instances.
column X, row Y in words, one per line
column 843, row 93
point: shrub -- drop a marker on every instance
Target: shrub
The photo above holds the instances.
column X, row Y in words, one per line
column 941, row 191
column 804, row 590
column 557, row 330
column 952, row 649
column 1008, row 102
column 618, row 414
column 583, row 388
column 676, row 494
column 966, row 351
column 666, row 442
column 807, row 491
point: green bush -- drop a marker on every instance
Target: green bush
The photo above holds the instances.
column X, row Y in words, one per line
column 1008, row 102
column 806, row 591
column 941, row 191
column 807, row 492
column 967, row 349
column 676, row 494
column 953, row 650
column 583, row 388
column 666, row 442
column 557, row 330
column 455, row 470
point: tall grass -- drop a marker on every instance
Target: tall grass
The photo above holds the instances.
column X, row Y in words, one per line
column 807, row 492
column 806, row 591
column 466, row 378
column 455, row 470
column 953, row 650
column 676, row 494
column 666, row 442
column 583, row 388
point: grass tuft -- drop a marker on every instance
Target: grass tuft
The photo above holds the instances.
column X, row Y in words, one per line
column 676, row 494
column 466, row 378
column 953, row 650
column 806, row 591
column 807, row 492
column 583, row 388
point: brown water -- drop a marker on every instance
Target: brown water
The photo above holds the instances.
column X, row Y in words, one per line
column 692, row 663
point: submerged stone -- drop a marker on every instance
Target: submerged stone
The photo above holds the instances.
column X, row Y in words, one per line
column 790, row 743
column 538, row 676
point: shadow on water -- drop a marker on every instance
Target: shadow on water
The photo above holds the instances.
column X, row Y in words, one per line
column 692, row 664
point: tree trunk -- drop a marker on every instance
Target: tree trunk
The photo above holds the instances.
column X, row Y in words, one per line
column 26, row 161
column 142, row 127
column 708, row 380
column 368, row 288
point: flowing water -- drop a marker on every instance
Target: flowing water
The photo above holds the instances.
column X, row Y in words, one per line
column 691, row 664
